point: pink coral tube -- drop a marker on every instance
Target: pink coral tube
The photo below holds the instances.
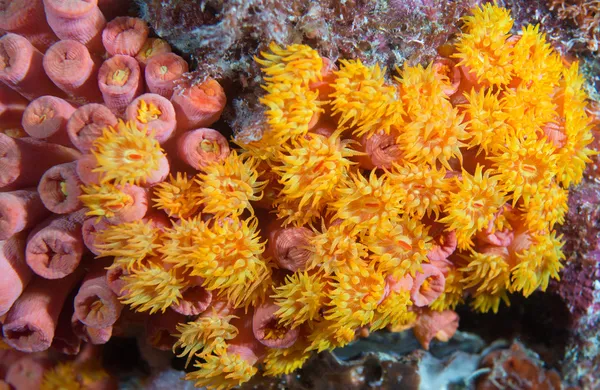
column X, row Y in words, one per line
column 46, row 118
column 263, row 318
column 125, row 35
column 134, row 211
column 16, row 167
column 195, row 299
column 159, row 174
column 289, row 247
column 381, row 151
column 162, row 73
column 444, row 245
column 428, row 285
column 55, row 247
column 119, row 81
column 85, row 169
column 201, row 147
column 72, row 68
column 154, row 113
column 198, row 105
column 14, row 272
column 60, row 188
column 87, row 123
column 90, row 227
column 95, row 304
column 28, row 19
column 113, row 279
column 79, row 20
column 31, row 322
column 19, row 211
column 22, row 70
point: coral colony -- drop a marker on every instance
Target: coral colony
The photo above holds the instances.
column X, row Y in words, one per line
column 366, row 200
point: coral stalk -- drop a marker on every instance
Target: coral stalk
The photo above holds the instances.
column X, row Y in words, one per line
column 79, row 20
column 72, row 68
column 19, row 211
column 14, row 272
column 267, row 329
column 117, row 204
column 163, row 71
column 85, row 166
column 202, row 147
column 87, row 123
column 21, row 68
column 16, row 168
column 120, row 82
column 55, row 247
column 198, row 105
column 46, row 118
column 31, row 322
column 12, row 106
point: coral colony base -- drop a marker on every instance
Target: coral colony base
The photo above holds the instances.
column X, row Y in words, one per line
column 363, row 201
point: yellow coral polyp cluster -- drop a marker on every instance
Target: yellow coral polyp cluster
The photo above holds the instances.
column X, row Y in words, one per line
column 178, row 196
column 222, row 370
column 466, row 212
column 311, row 170
column 364, row 101
column 126, row 154
column 228, row 187
column 129, row 243
column 473, row 205
column 147, row 112
column 104, row 200
column 203, row 336
column 484, row 47
column 429, row 136
column 152, row 287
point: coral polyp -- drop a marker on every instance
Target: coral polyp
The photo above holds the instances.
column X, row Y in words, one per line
column 126, row 154
column 228, row 188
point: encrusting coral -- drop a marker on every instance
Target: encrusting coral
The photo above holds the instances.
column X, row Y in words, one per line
column 255, row 258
